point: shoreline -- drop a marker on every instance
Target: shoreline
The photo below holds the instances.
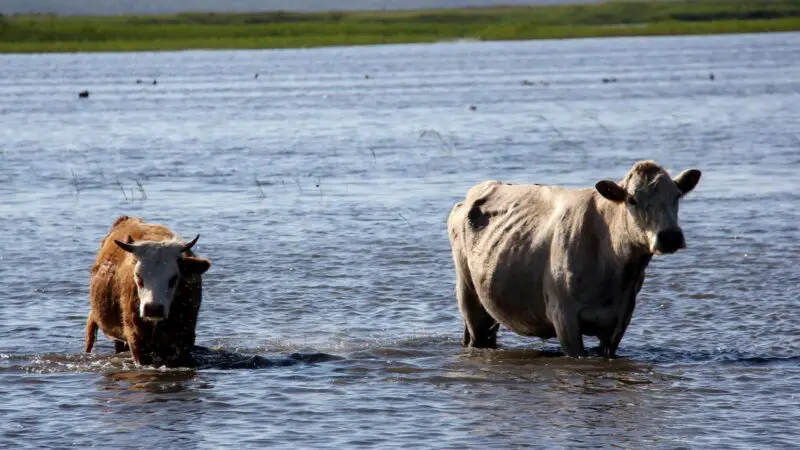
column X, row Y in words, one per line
column 280, row 30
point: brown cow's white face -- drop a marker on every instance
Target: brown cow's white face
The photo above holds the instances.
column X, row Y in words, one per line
column 652, row 198
column 158, row 268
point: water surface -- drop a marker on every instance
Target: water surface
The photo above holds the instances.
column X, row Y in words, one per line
column 321, row 195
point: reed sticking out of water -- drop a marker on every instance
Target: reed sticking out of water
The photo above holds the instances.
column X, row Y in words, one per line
column 122, row 189
column 258, row 185
column 130, row 195
column 596, row 119
column 444, row 144
column 75, row 183
column 141, row 190
column 96, row 165
column 396, row 211
column 297, row 181
column 561, row 136
column 319, row 186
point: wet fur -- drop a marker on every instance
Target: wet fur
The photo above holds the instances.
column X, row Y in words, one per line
column 115, row 303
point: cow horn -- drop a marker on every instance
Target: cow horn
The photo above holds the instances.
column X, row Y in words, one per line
column 191, row 243
column 127, row 245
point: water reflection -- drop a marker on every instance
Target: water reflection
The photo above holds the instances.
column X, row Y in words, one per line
column 572, row 401
column 154, row 407
column 153, row 381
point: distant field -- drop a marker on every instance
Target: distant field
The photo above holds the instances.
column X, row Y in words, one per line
column 42, row 33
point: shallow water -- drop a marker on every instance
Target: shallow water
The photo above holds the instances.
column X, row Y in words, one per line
column 329, row 317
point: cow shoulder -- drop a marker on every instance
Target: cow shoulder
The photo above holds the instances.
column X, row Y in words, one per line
column 119, row 222
column 112, row 272
column 464, row 213
column 580, row 240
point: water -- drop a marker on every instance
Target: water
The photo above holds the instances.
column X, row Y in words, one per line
column 329, row 317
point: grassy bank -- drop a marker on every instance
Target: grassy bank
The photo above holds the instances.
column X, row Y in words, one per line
column 43, row 33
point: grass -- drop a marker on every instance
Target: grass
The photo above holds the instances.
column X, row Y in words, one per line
column 49, row 33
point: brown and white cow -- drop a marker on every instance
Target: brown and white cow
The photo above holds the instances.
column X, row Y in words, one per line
column 549, row 262
column 145, row 292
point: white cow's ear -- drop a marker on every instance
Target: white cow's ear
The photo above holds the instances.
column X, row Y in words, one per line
column 687, row 180
column 611, row 191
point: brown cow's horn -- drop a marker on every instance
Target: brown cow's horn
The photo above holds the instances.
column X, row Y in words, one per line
column 127, row 245
column 189, row 246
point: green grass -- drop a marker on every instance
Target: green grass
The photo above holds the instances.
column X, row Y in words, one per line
column 47, row 33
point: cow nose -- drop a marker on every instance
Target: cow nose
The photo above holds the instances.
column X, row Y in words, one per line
column 152, row 311
column 670, row 241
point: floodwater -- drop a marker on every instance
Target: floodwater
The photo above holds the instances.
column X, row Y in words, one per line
column 321, row 190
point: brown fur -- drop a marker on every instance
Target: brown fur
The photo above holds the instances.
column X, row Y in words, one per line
column 115, row 302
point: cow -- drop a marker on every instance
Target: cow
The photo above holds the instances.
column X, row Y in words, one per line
column 548, row 261
column 145, row 291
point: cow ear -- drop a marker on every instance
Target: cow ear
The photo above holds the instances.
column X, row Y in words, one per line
column 193, row 265
column 611, row 191
column 687, row 180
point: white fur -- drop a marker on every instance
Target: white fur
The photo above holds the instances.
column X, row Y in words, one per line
column 656, row 208
column 156, row 265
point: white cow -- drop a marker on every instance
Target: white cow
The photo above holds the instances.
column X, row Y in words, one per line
column 551, row 262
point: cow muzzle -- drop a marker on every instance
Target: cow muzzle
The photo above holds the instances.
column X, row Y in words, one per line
column 669, row 241
column 154, row 312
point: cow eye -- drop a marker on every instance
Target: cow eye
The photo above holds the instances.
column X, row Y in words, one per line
column 173, row 280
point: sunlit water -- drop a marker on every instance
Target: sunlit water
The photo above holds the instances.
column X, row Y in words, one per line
column 321, row 194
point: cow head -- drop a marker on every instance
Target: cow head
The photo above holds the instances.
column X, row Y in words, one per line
column 651, row 197
column 159, row 266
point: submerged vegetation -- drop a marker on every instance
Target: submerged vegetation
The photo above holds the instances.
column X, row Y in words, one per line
column 50, row 33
